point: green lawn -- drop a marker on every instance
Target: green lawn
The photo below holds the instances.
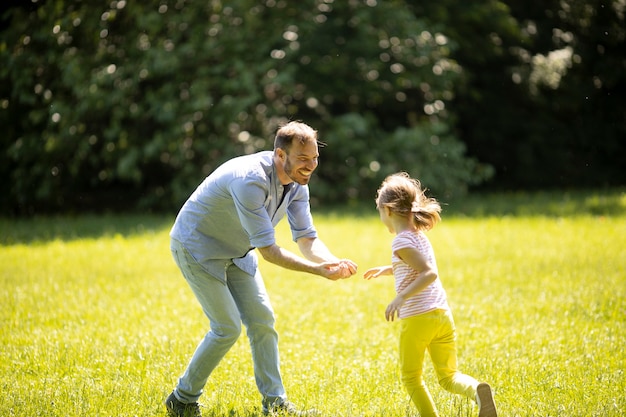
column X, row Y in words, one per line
column 97, row 321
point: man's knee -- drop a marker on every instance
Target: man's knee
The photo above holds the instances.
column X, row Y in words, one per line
column 225, row 334
column 262, row 320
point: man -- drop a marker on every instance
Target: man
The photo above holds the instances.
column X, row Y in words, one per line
column 232, row 212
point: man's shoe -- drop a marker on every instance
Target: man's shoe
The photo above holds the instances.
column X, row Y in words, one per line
column 484, row 399
column 176, row 408
column 287, row 409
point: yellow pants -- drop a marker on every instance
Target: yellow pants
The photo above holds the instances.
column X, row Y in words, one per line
column 436, row 332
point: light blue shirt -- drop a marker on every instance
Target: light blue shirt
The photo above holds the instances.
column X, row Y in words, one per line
column 235, row 210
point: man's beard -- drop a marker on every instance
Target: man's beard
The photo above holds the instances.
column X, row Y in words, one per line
column 291, row 173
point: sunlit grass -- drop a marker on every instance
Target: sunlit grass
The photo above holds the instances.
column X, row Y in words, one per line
column 96, row 319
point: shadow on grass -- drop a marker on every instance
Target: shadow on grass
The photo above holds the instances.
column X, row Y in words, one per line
column 546, row 204
column 44, row 229
column 557, row 203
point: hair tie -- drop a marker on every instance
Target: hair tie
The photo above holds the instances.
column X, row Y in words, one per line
column 415, row 207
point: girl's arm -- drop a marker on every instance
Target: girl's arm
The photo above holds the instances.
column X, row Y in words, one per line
column 427, row 275
column 378, row 271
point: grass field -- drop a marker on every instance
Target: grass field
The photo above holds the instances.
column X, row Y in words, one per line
column 97, row 321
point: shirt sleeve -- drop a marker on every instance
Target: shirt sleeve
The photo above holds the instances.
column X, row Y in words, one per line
column 401, row 242
column 417, row 241
column 299, row 215
column 249, row 198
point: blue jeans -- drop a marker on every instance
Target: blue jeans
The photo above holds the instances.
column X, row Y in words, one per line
column 243, row 299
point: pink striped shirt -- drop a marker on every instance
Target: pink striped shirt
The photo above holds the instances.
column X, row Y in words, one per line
column 432, row 297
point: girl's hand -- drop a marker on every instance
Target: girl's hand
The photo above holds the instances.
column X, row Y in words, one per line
column 393, row 309
column 376, row 272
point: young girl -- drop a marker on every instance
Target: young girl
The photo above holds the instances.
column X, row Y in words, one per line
column 420, row 303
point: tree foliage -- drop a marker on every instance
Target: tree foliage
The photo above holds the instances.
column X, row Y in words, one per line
column 541, row 96
column 130, row 104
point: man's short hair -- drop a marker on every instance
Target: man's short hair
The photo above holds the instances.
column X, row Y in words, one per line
column 291, row 131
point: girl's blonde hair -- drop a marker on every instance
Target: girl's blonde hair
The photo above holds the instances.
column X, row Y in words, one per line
column 405, row 196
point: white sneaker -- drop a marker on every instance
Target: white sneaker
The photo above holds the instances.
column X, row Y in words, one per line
column 484, row 399
column 287, row 408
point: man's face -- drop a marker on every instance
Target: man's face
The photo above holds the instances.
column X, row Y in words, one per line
column 301, row 161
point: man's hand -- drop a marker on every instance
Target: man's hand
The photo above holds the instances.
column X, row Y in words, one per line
column 341, row 269
column 349, row 265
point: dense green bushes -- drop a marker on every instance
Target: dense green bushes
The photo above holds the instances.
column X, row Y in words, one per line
column 130, row 105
